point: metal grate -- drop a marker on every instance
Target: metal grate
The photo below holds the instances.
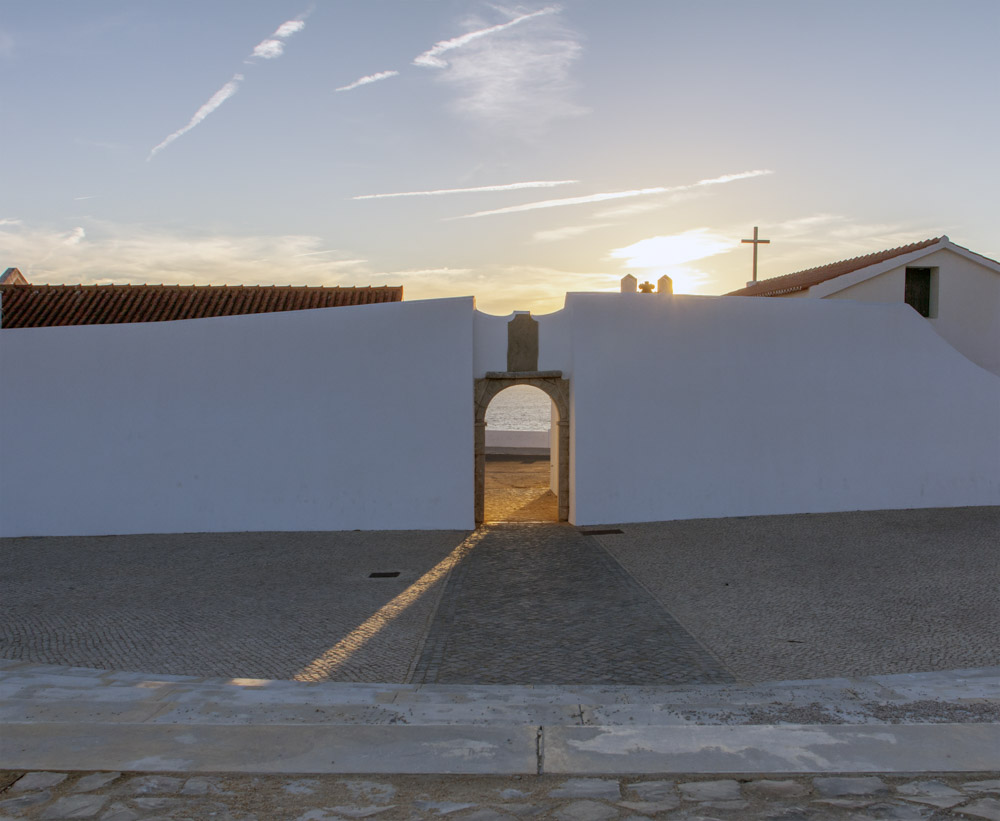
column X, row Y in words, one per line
column 385, row 574
column 600, row 532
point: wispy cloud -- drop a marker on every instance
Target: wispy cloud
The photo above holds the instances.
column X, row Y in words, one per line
column 432, row 57
column 614, row 195
column 89, row 197
column 274, row 45
column 217, row 99
column 115, row 252
column 267, row 49
column 568, row 232
column 511, row 186
column 9, row 221
column 515, row 78
column 290, row 27
column 368, row 79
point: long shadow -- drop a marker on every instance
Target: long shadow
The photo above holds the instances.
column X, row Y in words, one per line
column 542, row 604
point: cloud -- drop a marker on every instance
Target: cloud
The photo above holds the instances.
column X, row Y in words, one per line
column 661, row 253
column 567, row 232
column 518, row 79
column 270, row 48
column 8, row 221
column 120, row 253
column 217, row 99
column 432, row 57
column 614, row 195
column 367, row 79
column 290, row 27
column 88, row 197
column 511, row 186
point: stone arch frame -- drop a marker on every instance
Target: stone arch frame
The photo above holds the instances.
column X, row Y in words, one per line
column 557, row 389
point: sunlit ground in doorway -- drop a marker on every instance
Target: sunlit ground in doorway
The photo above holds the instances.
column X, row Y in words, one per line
column 517, row 490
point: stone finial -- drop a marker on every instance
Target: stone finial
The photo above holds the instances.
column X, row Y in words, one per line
column 664, row 285
column 522, row 342
column 629, row 284
column 646, row 288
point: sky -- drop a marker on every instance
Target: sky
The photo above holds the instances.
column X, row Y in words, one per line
column 508, row 152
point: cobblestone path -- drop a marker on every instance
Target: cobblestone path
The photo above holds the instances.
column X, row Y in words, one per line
column 543, row 604
column 115, row 796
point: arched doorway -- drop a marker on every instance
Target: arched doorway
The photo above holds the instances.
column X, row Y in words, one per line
column 557, row 388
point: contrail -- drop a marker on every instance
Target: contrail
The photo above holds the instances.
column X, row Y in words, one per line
column 431, row 56
column 513, row 186
column 370, row 78
column 217, row 99
column 267, row 49
column 615, row 195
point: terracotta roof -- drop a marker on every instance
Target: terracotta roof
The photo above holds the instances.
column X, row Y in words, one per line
column 802, row 280
column 34, row 306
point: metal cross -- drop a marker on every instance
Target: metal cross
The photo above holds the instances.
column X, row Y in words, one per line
column 755, row 243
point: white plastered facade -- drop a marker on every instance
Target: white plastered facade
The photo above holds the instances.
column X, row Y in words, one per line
column 334, row 419
column 965, row 299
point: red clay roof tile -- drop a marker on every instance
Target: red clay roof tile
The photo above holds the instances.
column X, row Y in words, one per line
column 802, row 280
column 34, row 306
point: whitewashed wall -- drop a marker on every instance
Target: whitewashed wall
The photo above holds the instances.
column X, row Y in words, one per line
column 967, row 302
column 687, row 407
column 310, row 420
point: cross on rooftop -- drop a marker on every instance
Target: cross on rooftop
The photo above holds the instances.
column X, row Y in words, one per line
column 755, row 243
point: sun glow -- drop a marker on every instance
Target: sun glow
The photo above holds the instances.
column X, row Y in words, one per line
column 667, row 255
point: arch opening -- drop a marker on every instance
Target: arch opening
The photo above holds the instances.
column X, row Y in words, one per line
column 522, row 452
column 519, row 483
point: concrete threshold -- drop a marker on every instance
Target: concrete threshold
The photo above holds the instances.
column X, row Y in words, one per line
column 64, row 718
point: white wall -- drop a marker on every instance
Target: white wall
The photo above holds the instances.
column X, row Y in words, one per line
column 555, row 342
column 967, row 305
column 687, row 407
column 327, row 419
column 490, row 340
column 526, row 442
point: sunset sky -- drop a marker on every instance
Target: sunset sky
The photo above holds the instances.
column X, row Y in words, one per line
column 510, row 152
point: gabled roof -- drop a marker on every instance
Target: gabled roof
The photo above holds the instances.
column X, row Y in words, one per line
column 35, row 306
column 803, row 280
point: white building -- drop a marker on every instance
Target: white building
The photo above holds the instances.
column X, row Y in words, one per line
column 957, row 290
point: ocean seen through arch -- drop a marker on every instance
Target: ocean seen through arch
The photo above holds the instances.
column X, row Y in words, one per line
column 519, row 407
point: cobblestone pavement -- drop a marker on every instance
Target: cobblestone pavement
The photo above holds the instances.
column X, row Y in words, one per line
column 255, row 605
column 517, row 490
column 836, row 594
column 778, row 597
column 534, row 604
column 133, row 797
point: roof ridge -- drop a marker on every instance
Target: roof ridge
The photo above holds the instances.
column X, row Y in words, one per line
column 807, row 277
column 859, row 257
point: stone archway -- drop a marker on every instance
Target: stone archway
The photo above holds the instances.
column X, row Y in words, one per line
column 557, row 388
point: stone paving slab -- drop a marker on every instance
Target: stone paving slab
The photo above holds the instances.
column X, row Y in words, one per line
column 31, row 694
column 771, row 749
column 270, row 748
